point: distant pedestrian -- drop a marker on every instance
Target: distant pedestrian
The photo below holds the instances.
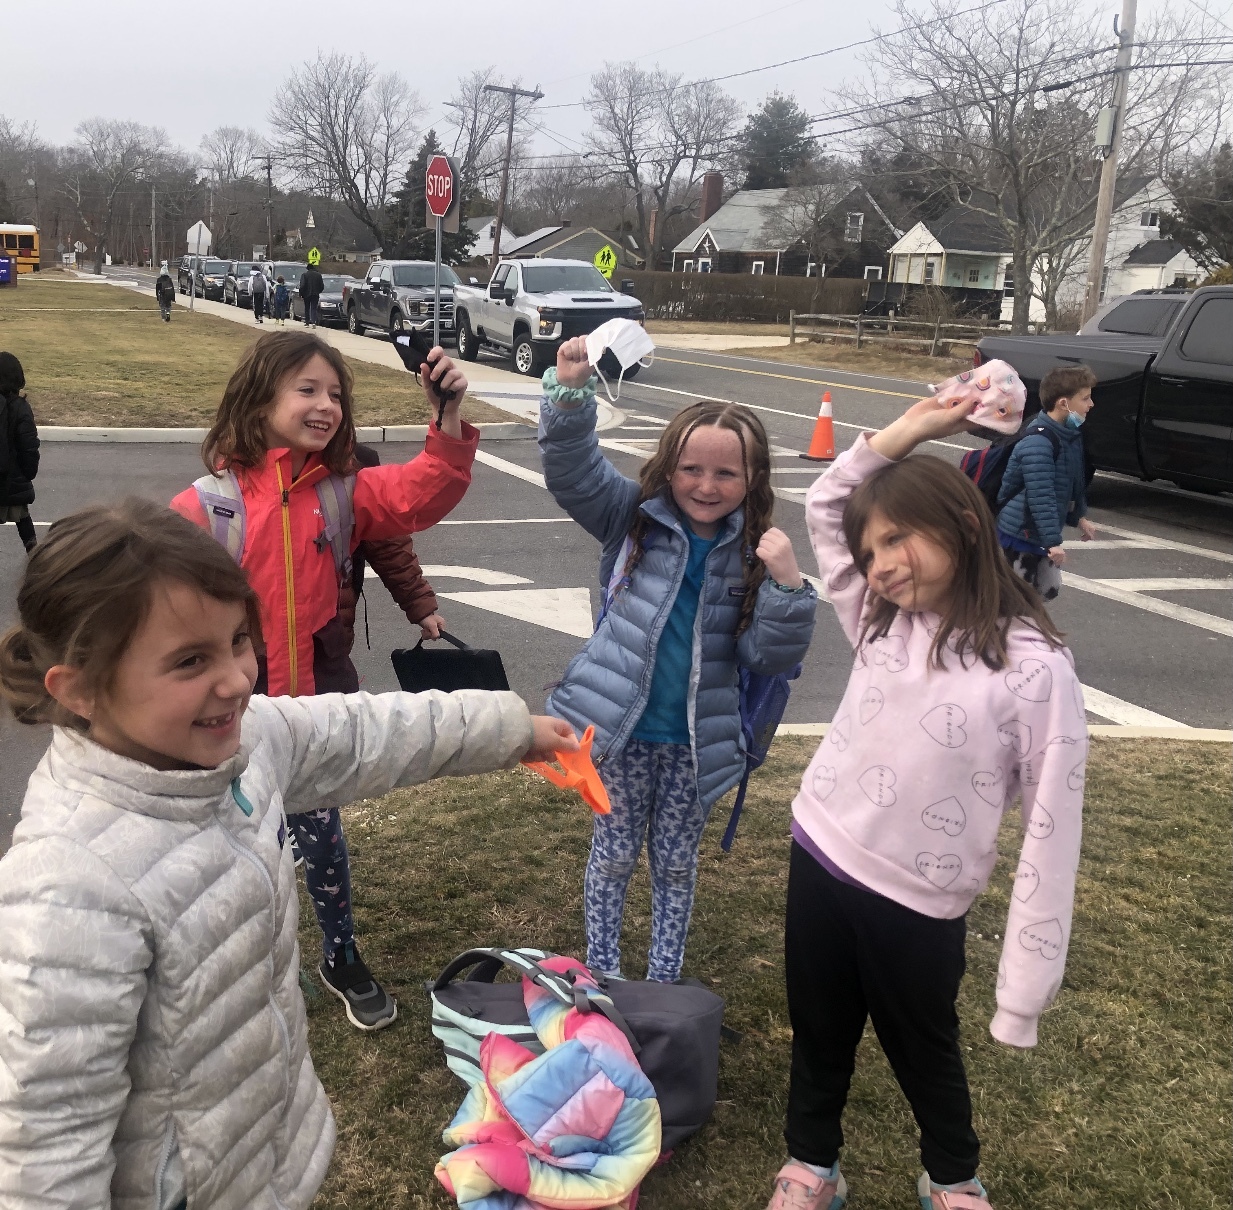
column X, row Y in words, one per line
column 312, row 286
column 258, row 287
column 19, row 450
column 165, row 291
column 1045, row 483
column 282, row 297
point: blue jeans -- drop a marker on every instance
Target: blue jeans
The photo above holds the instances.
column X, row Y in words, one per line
column 310, row 310
column 654, row 795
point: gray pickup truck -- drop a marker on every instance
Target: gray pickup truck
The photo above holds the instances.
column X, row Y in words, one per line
column 398, row 294
column 530, row 307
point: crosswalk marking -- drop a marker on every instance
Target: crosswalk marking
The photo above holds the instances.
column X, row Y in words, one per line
column 1179, row 613
column 1165, row 583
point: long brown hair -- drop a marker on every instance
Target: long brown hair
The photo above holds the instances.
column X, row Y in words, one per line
column 88, row 587
column 237, row 437
column 759, row 500
column 925, row 495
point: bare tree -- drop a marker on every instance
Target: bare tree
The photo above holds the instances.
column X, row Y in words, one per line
column 232, row 153
column 107, row 157
column 478, row 119
column 1002, row 107
column 807, row 213
column 658, row 134
column 345, row 131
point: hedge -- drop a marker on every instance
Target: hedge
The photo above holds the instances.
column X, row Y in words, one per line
column 742, row 296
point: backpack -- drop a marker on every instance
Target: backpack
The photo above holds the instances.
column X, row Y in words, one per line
column 673, row 1028
column 763, row 700
column 259, row 283
column 222, row 501
column 6, row 442
column 987, row 468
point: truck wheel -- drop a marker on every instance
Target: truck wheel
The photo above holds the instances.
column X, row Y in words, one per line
column 353, row 321
column 612, row 368
column 525, row 360
column 468, row 345
column 397, row 324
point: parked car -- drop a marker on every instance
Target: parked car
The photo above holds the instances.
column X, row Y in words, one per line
column 235, row 289
column 330, row 305
column 397, row 294
column 289, row 270
column 1164, row 404
column 207, row 276
column 1143, row 313
column 530, row 307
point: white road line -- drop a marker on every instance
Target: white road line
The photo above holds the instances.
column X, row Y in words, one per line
column 1143, row 539
column 511, row 468
column 1125, row 714
column 656, row 420
column 796, row 470
column 1165, row 583
column 1075, row 547
column 513, row 521
column 1178, row 613
column 481, row 575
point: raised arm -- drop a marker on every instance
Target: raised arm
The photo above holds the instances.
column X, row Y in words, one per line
column 74, row 952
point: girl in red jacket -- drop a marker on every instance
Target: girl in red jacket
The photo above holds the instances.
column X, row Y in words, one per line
column 289, row 500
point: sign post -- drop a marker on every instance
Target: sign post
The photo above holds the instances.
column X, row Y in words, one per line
column 440, row 196
column 198, row 234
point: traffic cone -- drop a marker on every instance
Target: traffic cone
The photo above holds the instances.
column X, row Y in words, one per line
column 822, row 444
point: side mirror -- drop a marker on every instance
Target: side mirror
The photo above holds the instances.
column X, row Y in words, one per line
column 495, row 292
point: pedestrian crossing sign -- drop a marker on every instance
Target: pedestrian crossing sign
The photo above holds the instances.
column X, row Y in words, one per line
column 606, row 260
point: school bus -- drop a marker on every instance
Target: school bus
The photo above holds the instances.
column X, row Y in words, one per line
column 21, row 242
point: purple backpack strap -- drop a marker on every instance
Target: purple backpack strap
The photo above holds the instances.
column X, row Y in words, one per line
column 334, row 493
column 223, row 504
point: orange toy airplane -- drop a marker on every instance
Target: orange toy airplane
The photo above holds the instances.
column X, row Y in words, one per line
column 580, row 774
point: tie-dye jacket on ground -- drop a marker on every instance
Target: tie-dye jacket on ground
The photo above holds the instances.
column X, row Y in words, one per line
column 575, row 1127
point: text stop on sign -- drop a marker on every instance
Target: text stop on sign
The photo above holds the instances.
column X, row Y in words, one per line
column 439, row 186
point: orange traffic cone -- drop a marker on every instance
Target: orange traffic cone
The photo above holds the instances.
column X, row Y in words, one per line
column 822, row 444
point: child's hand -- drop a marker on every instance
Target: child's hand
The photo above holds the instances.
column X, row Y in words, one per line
column 926, row 420
column 431, row 626
column 439, row 373
column 1057, row 556
column 573, row 368
column 1087, row 531
column 775, row 550
column 549, row 736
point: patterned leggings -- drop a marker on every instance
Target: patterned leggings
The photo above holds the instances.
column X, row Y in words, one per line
column 327, row 874
column 654, row 795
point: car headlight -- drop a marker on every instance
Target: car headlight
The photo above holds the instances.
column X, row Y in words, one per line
column 413, row 307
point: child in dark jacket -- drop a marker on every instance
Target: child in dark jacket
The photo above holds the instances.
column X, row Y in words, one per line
column 19, row 450
column 1045, row 484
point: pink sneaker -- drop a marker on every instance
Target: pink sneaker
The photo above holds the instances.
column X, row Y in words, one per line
column 800, row 1188
column 970, row 1195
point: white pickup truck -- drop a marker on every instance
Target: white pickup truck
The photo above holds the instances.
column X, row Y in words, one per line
column 531, row 306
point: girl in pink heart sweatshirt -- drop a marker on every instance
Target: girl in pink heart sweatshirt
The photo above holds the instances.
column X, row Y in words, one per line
column 962, row 698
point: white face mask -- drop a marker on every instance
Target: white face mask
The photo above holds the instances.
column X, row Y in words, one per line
column 629, row 344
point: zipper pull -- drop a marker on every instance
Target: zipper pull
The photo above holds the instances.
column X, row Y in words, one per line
column 286, row 496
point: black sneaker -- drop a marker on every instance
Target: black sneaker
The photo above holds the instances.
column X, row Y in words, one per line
column 369, row 1006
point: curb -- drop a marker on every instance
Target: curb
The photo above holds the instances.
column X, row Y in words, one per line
column 391, row 432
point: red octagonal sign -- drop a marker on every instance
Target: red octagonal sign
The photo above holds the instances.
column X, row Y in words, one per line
column 439, row 186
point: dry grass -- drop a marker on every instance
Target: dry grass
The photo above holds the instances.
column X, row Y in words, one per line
column 871, row 359
column 692, row 327
column 1124, row 1104
column 100, row 355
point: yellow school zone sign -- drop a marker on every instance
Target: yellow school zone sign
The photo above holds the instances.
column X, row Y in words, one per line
column 606, row 260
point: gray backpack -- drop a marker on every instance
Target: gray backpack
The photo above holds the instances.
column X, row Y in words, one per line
column 674, row 1028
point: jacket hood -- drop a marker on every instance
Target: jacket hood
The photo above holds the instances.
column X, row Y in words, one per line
column 1062, row 430
column 79, row 764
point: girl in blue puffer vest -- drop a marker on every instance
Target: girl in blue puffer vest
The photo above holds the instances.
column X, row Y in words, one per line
column 705, row 584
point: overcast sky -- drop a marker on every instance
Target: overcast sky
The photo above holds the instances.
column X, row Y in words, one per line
column 192, row 67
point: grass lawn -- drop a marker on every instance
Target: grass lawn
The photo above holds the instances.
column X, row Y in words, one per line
column 871, row 359
column 100, row 355
column 1124, row 1104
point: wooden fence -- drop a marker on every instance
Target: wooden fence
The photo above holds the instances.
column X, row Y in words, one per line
column 878, row 329
column 719, row 297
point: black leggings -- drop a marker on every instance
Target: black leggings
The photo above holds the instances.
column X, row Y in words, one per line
column 852, row 955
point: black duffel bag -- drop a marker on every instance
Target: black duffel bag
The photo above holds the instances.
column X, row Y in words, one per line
column 674, row 1028
column 420, row 668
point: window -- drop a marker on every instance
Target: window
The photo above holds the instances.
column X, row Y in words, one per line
column 759, row 267
column 873, row 272
column 1149, row 218
column 10, row 241
column 1140, row 316
column 421, row 276
column 687, row 266
column 853, row 227
column 1208, row 336
column 930, row 269
column 498, row 280
column 813, row 269
column 973, row 277
column 374, row 275
column 704, row 264
column 541, row 279
column 1104, row 284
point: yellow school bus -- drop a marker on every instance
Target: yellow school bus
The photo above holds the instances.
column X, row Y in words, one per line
column 20, row 241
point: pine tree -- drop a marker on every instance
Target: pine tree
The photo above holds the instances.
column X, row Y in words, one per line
column 775, row 143
column 1203, row 224
column 412, row 240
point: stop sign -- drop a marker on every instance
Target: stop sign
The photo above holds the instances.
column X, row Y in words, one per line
column 439, row 186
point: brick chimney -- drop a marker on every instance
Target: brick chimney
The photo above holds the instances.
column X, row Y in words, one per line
column 712, row 194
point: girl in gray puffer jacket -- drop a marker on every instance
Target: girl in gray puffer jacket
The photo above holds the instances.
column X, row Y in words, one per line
column 153, row 1043
column 695, row 583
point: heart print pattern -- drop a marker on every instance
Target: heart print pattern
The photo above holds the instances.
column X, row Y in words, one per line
column 944, row 725
column 1015, row 735
column 892, row 651
column 841, row 732
column 940, row 870
column 1043, row 938
column 824, row 781
column 872, row 701
column 1032, row 681
column 1027, row 881
column 991, row 787
column 878, row 784
column 946, row 816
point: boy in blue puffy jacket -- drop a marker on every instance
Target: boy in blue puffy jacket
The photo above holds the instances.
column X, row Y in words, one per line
column 1045, row 484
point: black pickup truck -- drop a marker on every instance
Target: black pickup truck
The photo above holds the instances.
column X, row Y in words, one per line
column 1164, row 403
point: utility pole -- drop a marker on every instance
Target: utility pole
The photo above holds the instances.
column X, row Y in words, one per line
column 1108, row 172
column 269, row 218
column 514, row 94
column 153, row 232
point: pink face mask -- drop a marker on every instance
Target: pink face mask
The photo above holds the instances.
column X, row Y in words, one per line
column 999, row 390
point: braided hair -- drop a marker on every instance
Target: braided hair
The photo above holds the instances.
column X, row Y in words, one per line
column 759, row 499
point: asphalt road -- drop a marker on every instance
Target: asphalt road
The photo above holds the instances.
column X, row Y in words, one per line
column 1148, row 616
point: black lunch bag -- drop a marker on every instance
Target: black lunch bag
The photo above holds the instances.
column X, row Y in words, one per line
column 420, row 668
column 674, row 1028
